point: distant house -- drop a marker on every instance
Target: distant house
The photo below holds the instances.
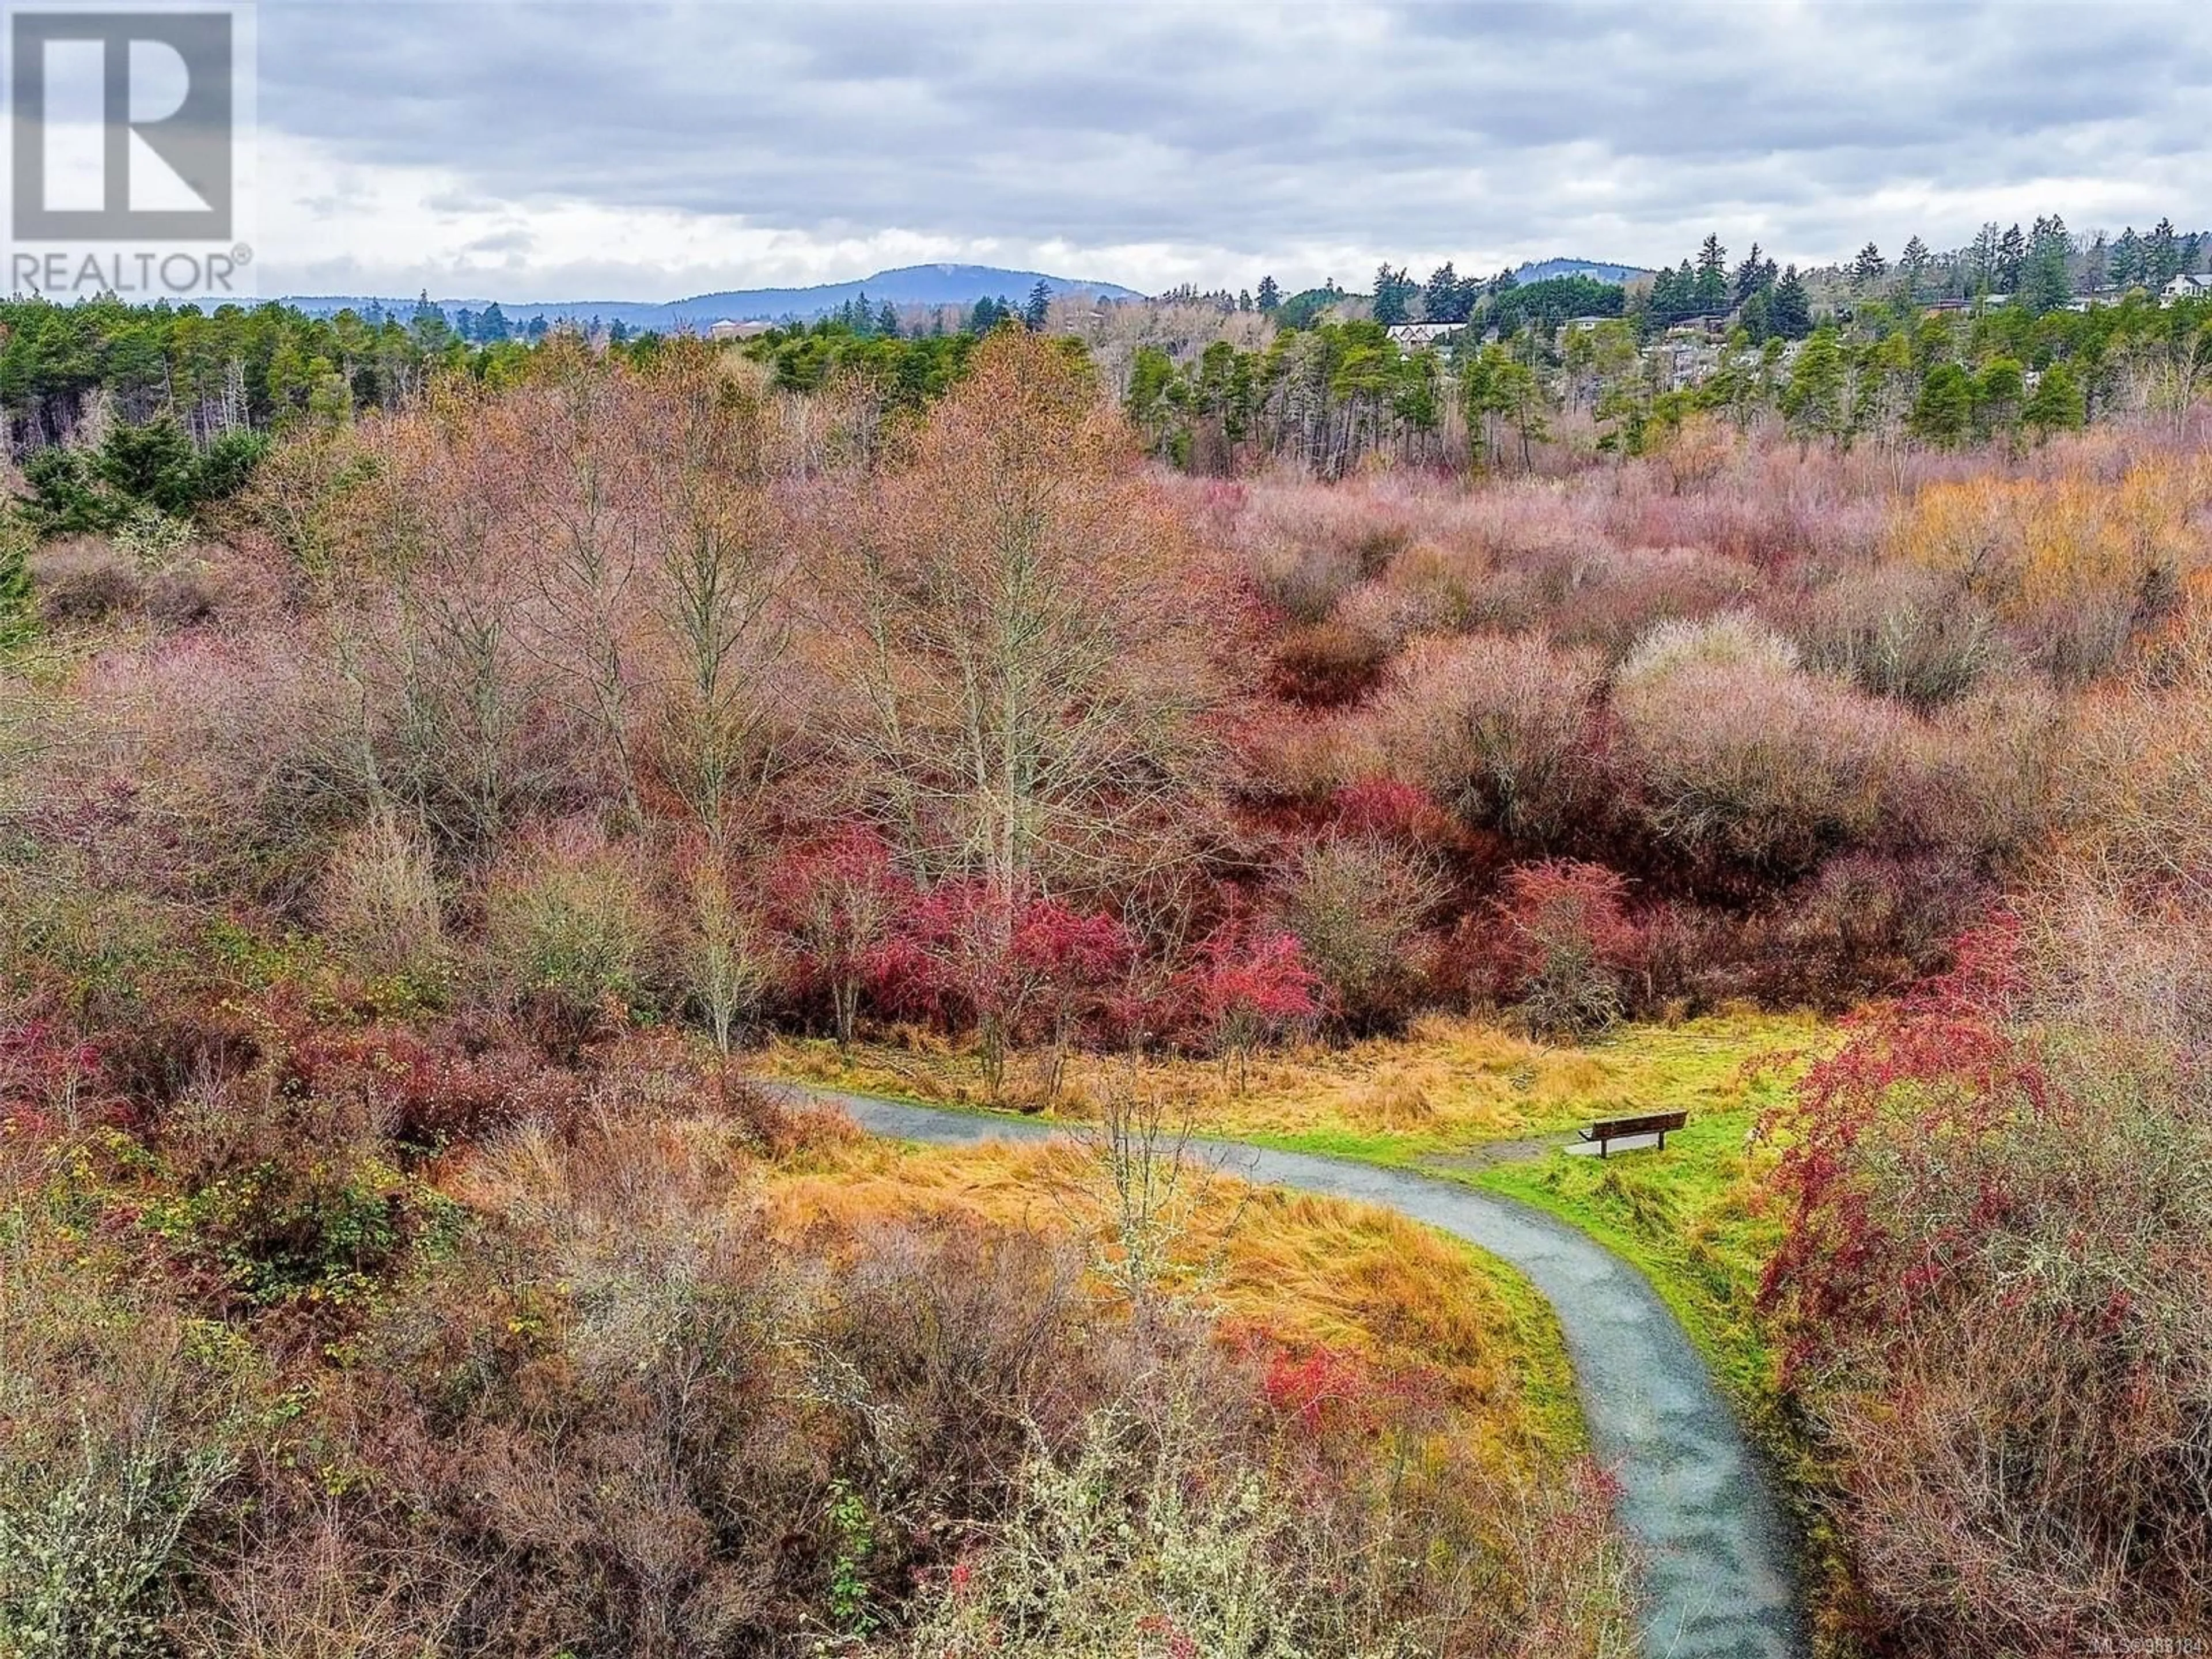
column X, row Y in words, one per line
column 2189, row 285
column 727, row 330
column 1414, row 335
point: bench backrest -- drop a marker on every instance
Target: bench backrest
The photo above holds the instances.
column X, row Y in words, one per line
column 1652, row 1123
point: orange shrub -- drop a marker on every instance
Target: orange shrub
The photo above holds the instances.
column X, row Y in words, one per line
column 2076, row 563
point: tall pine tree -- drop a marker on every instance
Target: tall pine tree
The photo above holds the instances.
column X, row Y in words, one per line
column 1710, row 291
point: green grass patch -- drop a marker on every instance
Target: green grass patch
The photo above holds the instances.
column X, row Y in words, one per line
column 1547, row 1375
column 1694, row 1219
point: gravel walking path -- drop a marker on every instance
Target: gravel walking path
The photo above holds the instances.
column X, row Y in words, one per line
column 1716, row 1576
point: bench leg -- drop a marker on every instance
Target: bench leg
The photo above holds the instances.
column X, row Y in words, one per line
column 1603, row 1146
column 1663, row 1140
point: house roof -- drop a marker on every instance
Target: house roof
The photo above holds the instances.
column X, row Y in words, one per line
column 1420, row 333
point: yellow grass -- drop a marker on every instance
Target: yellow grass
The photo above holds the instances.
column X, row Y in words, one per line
column 1301, row 1271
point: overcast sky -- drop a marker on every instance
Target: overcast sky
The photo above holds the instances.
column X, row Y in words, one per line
column 636, row 151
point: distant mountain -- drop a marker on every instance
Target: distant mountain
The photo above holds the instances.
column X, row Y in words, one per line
column 925, row 285
column 909, row 285
column 1537, row 271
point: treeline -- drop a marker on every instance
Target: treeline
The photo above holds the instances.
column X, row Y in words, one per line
column 229, row 370
column 908, row 374
column 1891, row 370
column 1320, row 398
column 117, row 412
column 70, row 376
column 1898, row 373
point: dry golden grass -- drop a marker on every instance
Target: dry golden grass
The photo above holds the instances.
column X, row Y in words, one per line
column 1449, row 1085
column 1290, row 1269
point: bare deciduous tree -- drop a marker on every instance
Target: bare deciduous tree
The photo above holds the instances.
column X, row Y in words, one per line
column 1014, row 613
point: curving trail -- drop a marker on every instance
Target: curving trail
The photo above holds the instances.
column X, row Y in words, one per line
column 1717, row 1573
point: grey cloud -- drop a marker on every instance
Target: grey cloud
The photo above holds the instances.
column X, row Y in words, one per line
column 1253, row 131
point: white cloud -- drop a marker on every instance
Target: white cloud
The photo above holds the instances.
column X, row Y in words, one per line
column 646, row 152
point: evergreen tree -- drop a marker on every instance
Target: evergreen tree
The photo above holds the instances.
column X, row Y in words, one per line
column 1039, row 309
column 1244, row 299
column 1868, row 268
column 2012, row 257
column 1790, row 308
column 1755, row 315
column 1754, row 276
column 2044, row 283
column 1446, row 298
column 429, row 324
column 1985, row 260
column 2057, row 403
column 887, row 323
column 1710, row 291
column 1270, row 296
column 1998, row 394
column 464, row 324
column 985, row 317
column 1912, row 270
column 2126, row 264
column 1393, row 295
column 492, row 327
column 1814, row 403
column 1944, row 412
column 1439, row 293
column 2162, row 256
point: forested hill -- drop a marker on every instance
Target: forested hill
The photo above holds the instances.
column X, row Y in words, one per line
column 1541, row 271
column 908, row 285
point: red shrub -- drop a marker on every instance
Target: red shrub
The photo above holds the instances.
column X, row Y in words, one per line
column 835, row 902
column 1038, row 971
column 1389, row 810
column 1564, row 942
column 1250, row 985
column 1934, row 1067
column 50, row 1078
column 1325, row 663
column 1324, row 1384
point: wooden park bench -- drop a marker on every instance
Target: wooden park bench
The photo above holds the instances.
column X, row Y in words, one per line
column 1607, row 1130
